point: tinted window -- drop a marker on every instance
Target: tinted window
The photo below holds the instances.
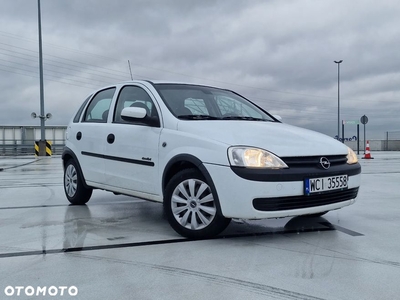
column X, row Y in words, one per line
column 196, row 106
column 99, row 107
column 192, row 102
column 79, row 113
column 229, row 106
column 133, row 96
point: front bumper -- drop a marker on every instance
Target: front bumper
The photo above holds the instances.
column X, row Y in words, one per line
column 259, row 194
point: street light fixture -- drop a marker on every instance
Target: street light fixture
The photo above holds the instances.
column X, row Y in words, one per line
column 42, row 142
column 338, row 99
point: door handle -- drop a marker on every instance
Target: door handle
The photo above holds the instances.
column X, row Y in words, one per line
column 110, row 138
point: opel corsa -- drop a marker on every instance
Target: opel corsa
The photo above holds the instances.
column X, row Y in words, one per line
column 208, row 154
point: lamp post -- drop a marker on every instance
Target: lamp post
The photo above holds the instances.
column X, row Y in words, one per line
column 42, row 144
column 338, row 99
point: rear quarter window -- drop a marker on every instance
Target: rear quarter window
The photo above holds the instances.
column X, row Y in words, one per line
column 98, row 108
column 79, row 113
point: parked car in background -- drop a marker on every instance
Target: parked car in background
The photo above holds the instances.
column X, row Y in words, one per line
column 208, row 154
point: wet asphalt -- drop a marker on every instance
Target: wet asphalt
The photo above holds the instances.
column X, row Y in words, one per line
column 118, row 247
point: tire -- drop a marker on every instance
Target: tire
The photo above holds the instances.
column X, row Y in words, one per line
column 191, row 206
column 75, row 190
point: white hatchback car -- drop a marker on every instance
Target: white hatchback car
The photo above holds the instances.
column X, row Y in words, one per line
column 207, row 153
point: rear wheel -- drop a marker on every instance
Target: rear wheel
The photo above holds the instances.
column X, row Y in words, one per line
column 74, row 187
column 191, row 206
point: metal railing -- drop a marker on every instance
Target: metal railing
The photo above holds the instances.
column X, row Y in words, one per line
column 392, row 140
column 20, row 140
column 16, row 147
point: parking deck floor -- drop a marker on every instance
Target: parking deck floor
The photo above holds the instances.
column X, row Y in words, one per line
column 118, row 247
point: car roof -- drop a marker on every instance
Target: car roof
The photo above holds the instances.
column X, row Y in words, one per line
column 145, row 81
column 155, row 81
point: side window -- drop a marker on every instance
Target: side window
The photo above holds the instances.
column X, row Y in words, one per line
column 133, row 96
column 79, row 113
column 99, row 107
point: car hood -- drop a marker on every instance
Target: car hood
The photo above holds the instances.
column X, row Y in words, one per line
column 282, row 139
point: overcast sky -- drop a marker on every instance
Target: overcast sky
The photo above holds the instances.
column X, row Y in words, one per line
column 279, row 54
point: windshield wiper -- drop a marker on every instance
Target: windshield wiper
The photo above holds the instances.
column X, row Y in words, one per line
column 197, row 117
column 243, row 118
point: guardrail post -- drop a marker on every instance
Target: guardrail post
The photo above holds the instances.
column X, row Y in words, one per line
column 43, row 148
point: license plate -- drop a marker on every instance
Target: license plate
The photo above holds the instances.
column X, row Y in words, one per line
column 325, row 184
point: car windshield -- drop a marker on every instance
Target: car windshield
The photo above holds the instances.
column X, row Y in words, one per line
column 193, row 102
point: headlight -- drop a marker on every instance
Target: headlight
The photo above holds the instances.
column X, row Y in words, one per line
column 351, row 157
column 254, row 158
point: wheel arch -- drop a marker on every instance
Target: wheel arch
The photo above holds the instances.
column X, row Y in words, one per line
column 66, row 156
column 187, row 161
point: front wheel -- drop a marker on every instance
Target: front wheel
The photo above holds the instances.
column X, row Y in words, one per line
column 75, row 190
column 191, row 206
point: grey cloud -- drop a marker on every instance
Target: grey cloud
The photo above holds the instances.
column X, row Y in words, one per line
column 277, row 53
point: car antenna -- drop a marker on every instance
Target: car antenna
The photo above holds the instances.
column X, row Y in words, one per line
column 130, row 70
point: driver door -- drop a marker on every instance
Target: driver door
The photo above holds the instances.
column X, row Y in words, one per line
column 132, row 148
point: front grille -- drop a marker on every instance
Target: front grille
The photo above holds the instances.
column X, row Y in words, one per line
column 313, row 161
column 296, row 202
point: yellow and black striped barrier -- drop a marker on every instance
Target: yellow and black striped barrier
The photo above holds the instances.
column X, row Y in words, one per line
column 38, row 151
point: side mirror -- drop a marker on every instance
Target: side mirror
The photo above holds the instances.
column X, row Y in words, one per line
column 130, row 113
column 138, row 115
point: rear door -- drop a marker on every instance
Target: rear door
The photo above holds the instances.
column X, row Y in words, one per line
column 90, row 136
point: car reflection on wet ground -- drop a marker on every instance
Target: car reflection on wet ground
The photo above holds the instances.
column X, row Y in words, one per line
column 118, row 247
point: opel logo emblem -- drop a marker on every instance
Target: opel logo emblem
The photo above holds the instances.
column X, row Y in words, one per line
column 325, row 163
